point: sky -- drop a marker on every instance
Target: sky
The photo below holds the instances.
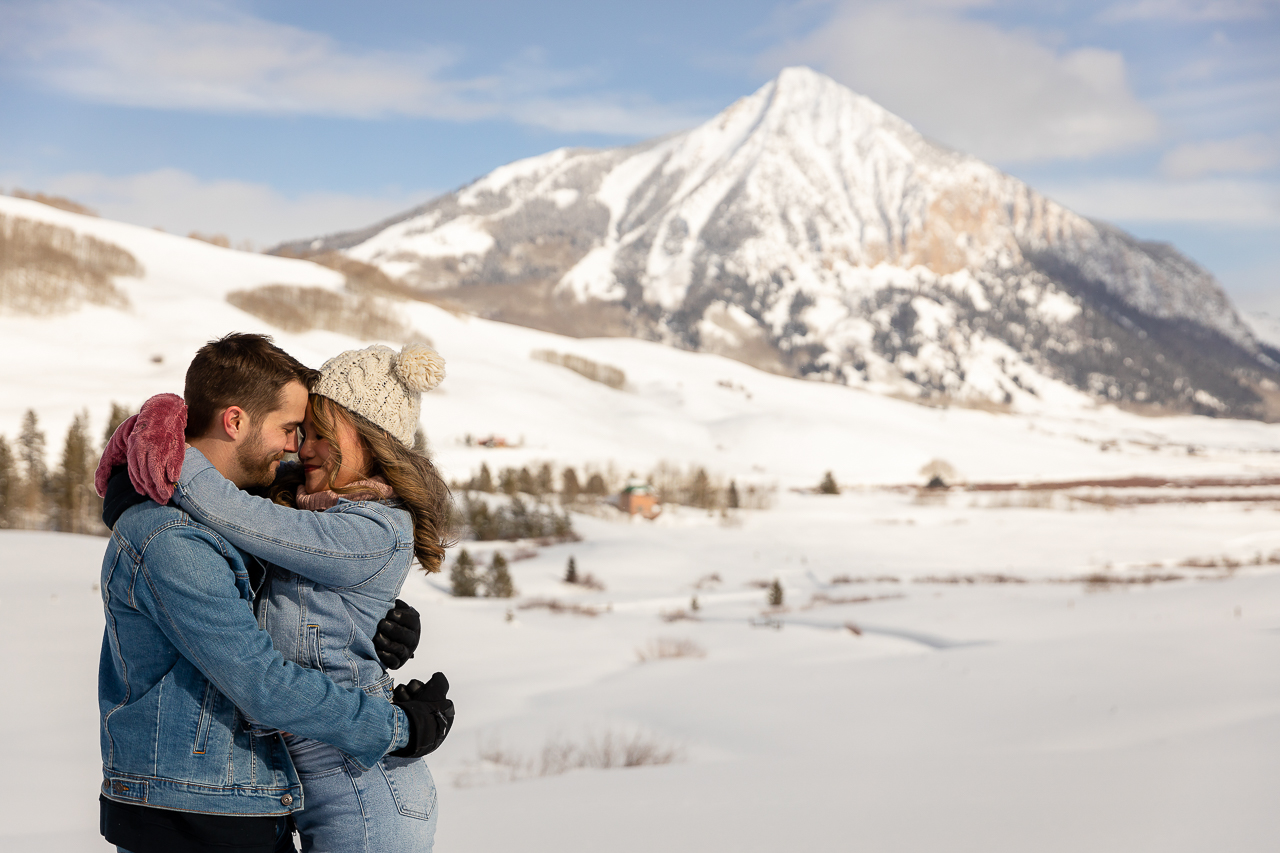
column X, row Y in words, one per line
column 267, row 121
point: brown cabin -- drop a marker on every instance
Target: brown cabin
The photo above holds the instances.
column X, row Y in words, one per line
column 639, row 499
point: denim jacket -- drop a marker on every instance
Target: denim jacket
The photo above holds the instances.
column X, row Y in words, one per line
column 183, row 668
column 335, row 573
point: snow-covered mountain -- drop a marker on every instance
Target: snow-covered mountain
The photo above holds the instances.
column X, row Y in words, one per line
column 808, row 231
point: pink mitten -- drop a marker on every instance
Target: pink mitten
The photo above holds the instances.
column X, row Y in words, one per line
column 156, row 446
column 115, row 453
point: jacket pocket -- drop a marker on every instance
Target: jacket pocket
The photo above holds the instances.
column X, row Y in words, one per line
column 206, row 718
column 313, row 647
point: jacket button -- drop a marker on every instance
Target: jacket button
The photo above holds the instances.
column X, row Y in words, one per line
column 286, row 800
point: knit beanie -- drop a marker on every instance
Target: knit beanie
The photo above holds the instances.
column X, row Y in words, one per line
column 383, row 385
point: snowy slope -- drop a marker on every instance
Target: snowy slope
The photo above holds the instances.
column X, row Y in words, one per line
column 807, row 230
column 679, row 406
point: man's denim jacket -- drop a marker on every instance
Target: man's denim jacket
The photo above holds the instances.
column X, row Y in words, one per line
column 334, row 574
column 184, row 669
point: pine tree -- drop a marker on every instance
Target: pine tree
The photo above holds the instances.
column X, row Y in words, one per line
column 828, row 485
column 119, row 414
column 35, row 472
column 497, row 581
column 484, row 482
column 463, row 576
column 509, row 481
column 525, row 482
column 732, row 498
column 545, row 483
column 700, row 490
column 596, row 486
column 693, row 604
column 8, row 484
column 75, row 503
column 775, row 593
column 571, row 571
column 569, row 492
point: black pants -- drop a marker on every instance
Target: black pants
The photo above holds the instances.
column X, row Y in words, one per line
column 143, row 829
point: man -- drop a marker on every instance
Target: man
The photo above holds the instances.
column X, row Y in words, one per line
column 192, row 695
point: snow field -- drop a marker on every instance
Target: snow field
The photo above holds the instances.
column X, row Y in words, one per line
column 997, row 717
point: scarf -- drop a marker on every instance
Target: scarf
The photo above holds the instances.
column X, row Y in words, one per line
column 372, row 489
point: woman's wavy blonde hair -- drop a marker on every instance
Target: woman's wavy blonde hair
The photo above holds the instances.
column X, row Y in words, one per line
column 411, row 475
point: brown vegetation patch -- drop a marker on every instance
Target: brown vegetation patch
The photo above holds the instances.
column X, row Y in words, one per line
column 822, row 599
column 60, row 202
column 603, row 373
column 47, row 269
column 597, row 751
column 555, row 605
column 971, row 579
column 665, row 648
column 843, row 579
column 295, row 308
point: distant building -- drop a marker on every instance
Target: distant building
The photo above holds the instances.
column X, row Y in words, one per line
column 639, row 499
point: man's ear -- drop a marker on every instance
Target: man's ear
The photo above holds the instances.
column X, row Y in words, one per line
column 235, row 421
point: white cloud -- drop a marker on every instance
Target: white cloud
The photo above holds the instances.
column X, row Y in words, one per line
column 1188, row 11
column 998, row 94
column 1207, row 201
column 180, row 203
column 1242, row 155
column 208, row 56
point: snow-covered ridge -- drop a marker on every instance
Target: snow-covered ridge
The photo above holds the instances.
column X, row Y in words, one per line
column 807, row 230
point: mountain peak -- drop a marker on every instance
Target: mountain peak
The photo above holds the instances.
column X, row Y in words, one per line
column 810, row 231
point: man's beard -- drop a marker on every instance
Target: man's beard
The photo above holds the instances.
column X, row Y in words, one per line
column 255, row 464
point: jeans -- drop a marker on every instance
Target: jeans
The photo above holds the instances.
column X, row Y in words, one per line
column 387, row 809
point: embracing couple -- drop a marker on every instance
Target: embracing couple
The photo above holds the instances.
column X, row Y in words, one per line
column 252, row 612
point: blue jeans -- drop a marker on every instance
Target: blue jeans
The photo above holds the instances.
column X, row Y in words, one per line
column 387, row 809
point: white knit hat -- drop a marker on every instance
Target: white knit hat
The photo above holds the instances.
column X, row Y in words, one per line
column 382, row 385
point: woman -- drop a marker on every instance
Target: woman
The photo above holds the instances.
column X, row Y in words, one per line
column 370, row 506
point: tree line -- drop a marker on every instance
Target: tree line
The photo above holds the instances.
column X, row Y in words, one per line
column 33, row 497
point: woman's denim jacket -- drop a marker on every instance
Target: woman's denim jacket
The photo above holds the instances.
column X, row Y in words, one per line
column 335, row 573
column 184, row 667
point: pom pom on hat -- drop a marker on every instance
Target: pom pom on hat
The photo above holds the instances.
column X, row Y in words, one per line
column 419, row 367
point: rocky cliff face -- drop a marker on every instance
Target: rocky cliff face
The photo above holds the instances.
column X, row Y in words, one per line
column 809, row 231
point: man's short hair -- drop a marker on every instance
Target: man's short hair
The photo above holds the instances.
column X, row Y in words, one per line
column 242, row 370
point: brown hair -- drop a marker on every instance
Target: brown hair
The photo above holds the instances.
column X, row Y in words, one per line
column 239, row 370
column 411, row 475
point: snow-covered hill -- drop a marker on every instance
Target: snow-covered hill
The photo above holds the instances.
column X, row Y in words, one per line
column 677, row 406
column 808, row 231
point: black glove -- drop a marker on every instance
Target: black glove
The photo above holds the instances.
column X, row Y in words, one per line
column 398, row 635
column 430, row 715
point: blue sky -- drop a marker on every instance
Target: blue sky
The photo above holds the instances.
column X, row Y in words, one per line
column 267, row 121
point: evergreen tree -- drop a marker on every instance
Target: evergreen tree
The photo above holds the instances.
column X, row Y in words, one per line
column 693, row 604
column 571, row 571
column 700, row 490
column 732, row 498
column 545, row 484
column 509, row 481
column 119, row 414
column 484, row 482
column 75, row 502
column 8, row 484
column 596, row 486
column 569, row 492
column 497, row 581
column 775, row 593
column 828, row 485
column 35, row 472
column 525, row 482
column 463, row 576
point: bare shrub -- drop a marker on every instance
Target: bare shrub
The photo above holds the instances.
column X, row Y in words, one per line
column 555, row 605
column 971, row 579
column 822, row 599
column 60, row 202
column 677, row 615
column 47, row 269
column 707, row 581
column 843, row 579
column 295, row 308
column 612, row 748
column 663, row 648
column 602, row 373
column 220, row 240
